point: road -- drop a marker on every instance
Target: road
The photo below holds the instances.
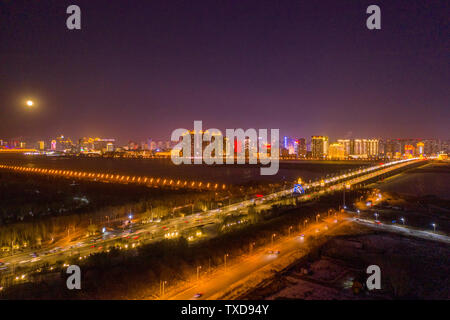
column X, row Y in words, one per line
column 403, row 230
column 223, row 278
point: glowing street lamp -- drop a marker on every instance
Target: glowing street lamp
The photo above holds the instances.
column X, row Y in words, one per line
column 402, row 220
column 252, row 244
column 376, row 216
column 198, row 270
column 317, row 217
column 162, row 287
column 273, row 236
column 225, row 259
column 434, row 226
column 30, row 103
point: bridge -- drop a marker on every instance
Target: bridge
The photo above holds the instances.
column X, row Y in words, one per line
column 117, row 178
column 353, row 178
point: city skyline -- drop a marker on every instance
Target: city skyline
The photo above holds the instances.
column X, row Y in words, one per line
column 308, row 137
column 314, row 147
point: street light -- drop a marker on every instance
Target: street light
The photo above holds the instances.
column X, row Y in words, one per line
column 376, row 216
column 225, row 258
column 317, row 217
column 162, row 288
column 198, row 270
column 251, row 247
column 289, row 231
column 273, row 235
column 305, row 222
column 402, row 220
column 434, row 226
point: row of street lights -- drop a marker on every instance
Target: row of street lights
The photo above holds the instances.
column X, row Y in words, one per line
column 401, row 219
column 226, row 255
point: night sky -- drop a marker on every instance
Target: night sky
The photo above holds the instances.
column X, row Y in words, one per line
column 140, row 69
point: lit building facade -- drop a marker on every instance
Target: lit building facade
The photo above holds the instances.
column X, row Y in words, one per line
column 301, row 147
column 336, row 151
column 319, row 146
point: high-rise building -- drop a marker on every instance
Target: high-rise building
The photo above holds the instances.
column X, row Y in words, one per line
column 41, row 145
column 336, row 151
column 346, row 143
column 109, row 147
column 420, row 147
column 53, row 145
column 360, row 148
column 319, row 146
column 409, row 150
column 290, row 145
column 372, row 147
column 391, row 147
column 301, row 147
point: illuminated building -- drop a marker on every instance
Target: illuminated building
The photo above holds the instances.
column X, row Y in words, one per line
column 64, row 144
column 109, row 147
column 301, row 147
column 290, row 145
column 409, row 151
column 41, row 145
column 372, row 147
column 336, row 151
column 53, row 145
column 101, row 144
column 360, row 148
column 93, row 145
column 346, row 143
column 197, row 147
column 390, row 147
column 442, row 156
column 319, row 146
column 420, row 147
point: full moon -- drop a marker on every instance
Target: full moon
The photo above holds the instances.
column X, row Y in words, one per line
column 30, row 103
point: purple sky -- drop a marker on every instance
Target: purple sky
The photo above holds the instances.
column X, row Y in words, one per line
column 140, row 69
